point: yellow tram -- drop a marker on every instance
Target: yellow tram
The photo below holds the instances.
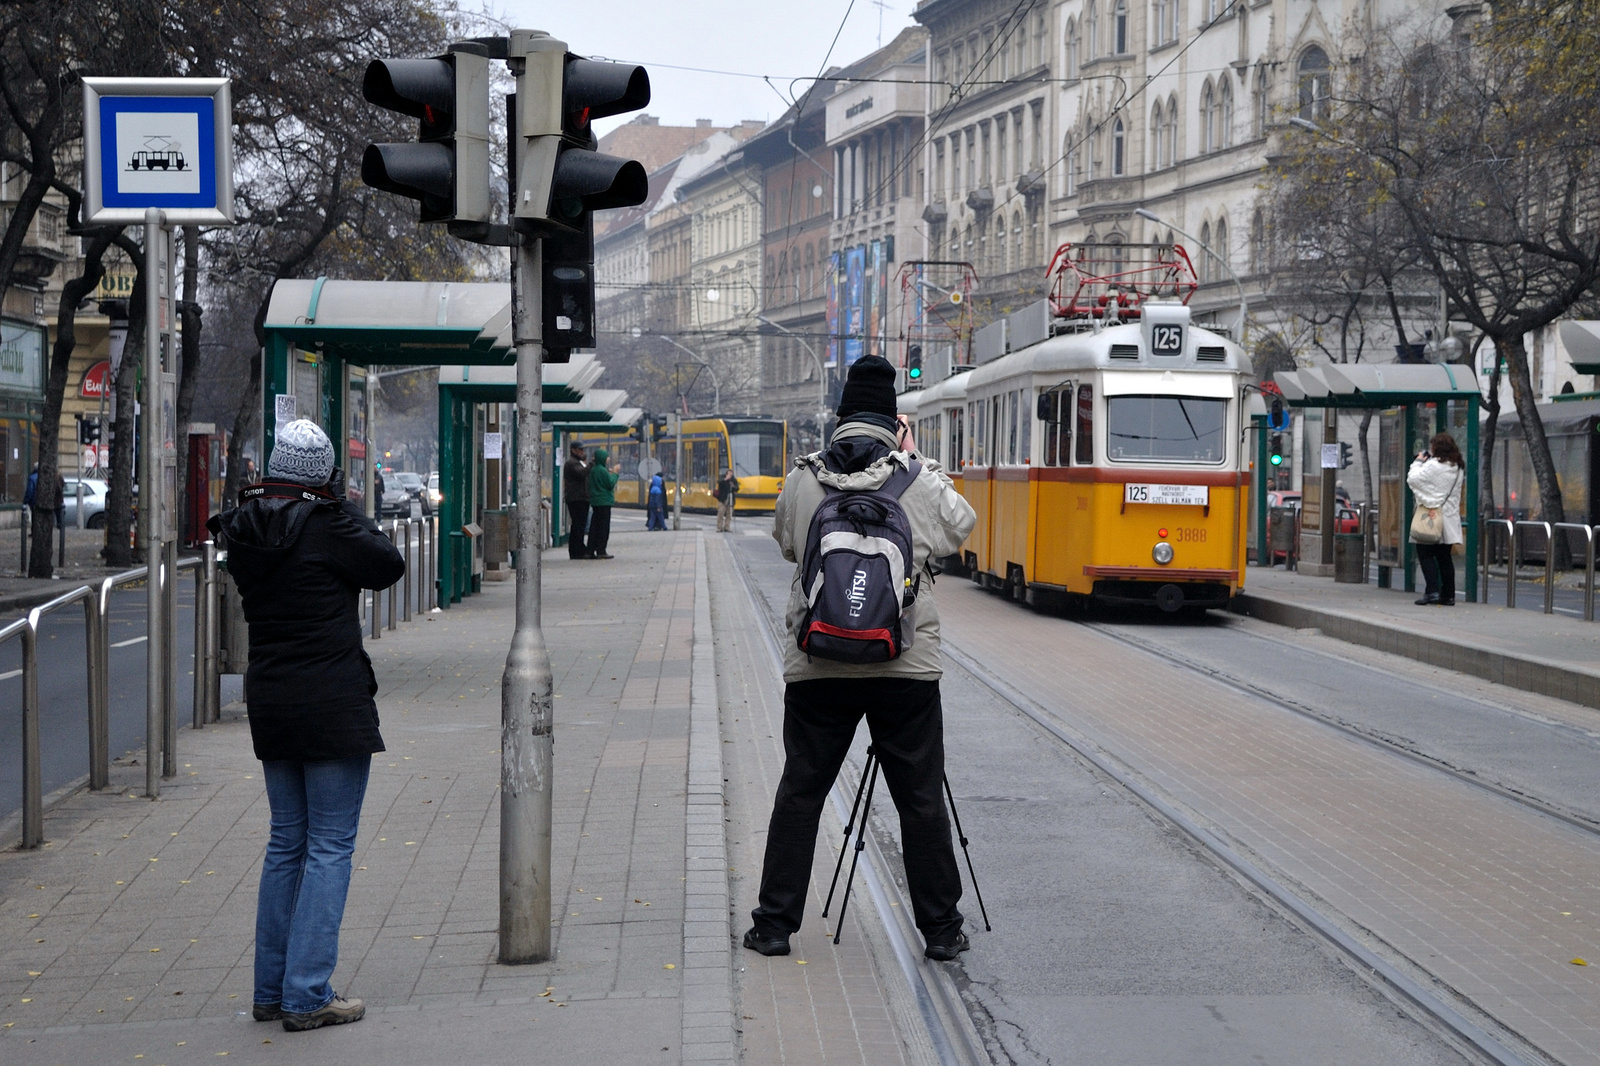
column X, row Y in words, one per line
column 756, row 449
column 1106, row 462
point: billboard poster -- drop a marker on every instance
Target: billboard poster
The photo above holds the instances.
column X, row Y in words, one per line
column 854, row 309
column 832, row 283
column 880, row 303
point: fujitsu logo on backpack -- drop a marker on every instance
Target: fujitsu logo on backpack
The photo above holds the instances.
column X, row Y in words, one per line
column 858, row 593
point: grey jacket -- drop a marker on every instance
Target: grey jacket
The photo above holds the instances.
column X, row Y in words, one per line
column 940, row 521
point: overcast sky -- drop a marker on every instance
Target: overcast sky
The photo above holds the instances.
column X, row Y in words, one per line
column 783, row 40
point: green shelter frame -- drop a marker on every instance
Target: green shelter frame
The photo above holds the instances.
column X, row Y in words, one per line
column 1430, row 398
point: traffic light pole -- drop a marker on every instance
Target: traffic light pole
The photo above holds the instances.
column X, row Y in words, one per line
column 526, row 718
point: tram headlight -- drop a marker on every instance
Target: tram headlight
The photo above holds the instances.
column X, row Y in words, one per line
column 1162, row 553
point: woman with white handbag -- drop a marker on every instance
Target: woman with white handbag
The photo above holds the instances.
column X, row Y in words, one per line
column 1436, row 477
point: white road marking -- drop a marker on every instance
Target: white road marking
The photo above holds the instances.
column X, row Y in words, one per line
column 9, row 674
column 131, row 640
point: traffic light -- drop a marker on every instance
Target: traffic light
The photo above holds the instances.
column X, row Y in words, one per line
column 1275, row 450
column 89, row 430
column 560, row 177
column 447, row 169
column 1277, row 415
column 914, row 364
column 568, row 291
column 1344, row 455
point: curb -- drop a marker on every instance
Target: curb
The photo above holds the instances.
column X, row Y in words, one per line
column 708, row 1034
column 1527, row 672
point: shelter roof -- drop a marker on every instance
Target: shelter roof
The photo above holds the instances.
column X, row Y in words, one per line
column 1374, row 385
column 395, row 323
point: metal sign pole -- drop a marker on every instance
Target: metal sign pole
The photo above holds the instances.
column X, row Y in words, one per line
column 150, row 517
column 526, row 718
column 677, row 475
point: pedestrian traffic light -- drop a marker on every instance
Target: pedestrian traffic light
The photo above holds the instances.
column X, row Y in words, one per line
column 447, row 170
column 1275, row 450
column 1344, row 454
column 914, row 364
column 560, row 177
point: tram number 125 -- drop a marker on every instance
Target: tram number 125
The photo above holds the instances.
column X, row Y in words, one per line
column 1166, row 340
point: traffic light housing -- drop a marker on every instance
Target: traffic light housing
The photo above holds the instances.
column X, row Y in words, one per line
column 567, row 285
column 914, row 364
column 1275, row 450
column 1277, row 415
column 561, row 179
column 89, row 430
column 1344, row 455
column 447, row 169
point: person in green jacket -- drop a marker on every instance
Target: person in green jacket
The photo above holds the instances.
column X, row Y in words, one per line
column 602, row 495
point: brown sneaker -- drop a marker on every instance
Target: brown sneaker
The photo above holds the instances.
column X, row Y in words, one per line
column 338, row 1011
column 266, row 1012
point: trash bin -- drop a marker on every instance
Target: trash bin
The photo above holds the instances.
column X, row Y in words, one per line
column 1348, row 566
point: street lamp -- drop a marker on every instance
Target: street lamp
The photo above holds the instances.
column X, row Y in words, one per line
column 716, row 385
column 1244, row 307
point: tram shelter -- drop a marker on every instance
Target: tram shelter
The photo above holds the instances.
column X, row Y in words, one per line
column 323, row 338
column 1412, row 403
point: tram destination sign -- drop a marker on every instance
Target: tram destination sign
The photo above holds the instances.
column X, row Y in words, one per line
column 1179, row 495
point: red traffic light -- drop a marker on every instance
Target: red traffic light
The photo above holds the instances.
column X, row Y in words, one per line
column 591, row 90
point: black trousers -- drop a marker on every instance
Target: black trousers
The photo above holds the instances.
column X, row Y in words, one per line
column 599, row 529
column 1438, row 570
column 577, row 545
column 907, row 726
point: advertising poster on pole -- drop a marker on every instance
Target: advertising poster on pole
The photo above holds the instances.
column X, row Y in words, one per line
column 854, row 313
column 832, row 283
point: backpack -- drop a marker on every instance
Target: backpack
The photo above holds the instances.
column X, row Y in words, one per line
column 856, row 574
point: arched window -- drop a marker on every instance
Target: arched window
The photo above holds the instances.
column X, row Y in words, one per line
column 772, row 279
column 1022, row 47
column 1221, row 247
column 1091, row 30
column 1072, row 48
column 1070, row 152
column 1119, row 28
column 1225, row 115
column 970, row 247
column 1097, row 155
column 1115, row 250
column 1208, row 121
column 1316, row 76
column 811, row 271
column 1016, row 237
column 1204, row 263
column 1118, row 148
column 1158, row 130
column 1262, row 100
column 1257, row 241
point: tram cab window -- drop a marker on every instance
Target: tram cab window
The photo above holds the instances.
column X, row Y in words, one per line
column 1179, row 429
column 1085, row 431
column 757, row 448
column 1057, row 418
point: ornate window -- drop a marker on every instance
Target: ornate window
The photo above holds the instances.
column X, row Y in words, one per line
column 1208, row 119
column 1119, row 28
column 1221, row 247
column 1262, row 101
column 1172, row 130
column 1225, row 115
column 1316, row 84
column 1118, row 148
column 1016, row 236
column 1072, row 48
column 1205, row 259
column 1091, row 31
column 1158, row 131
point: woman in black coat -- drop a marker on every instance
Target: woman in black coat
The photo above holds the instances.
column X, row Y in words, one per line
column 300, row 553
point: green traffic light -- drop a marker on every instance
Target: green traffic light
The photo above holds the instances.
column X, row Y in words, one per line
column 914, row 373
column 1276, row 460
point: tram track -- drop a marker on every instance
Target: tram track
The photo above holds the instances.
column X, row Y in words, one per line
column 1375, row 739
column 1364, row 960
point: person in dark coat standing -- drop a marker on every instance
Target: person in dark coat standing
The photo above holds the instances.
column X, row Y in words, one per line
column 575, row 494
column 727, row 494
column 300, row 553
column 602, row 496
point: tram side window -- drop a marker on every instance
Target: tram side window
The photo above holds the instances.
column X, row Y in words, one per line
column 1058, row 427
column 976, row 410
column 1011, row 426
column 700, row 461
column 1025, row 413
column 994, row 429
column 667, row 456
column 1085, row 451
column 957, row 438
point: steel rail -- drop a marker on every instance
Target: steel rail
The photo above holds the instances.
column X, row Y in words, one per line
column 1365, row 959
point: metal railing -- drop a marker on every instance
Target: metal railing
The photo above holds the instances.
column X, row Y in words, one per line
column 1588, row 584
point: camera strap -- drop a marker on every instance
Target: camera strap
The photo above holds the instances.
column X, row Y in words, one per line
column 284, row 490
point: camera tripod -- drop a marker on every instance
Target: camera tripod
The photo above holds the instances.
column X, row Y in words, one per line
column 869, row 781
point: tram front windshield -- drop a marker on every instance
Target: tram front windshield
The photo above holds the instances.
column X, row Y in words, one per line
column 1175, row 429
column 757, row 448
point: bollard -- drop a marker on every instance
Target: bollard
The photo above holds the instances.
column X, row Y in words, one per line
column 394, row 537
column 169, row 650
column 213, row 635
column 433, row 564
column 201, row 608
column 32, row 786
column 405, row 578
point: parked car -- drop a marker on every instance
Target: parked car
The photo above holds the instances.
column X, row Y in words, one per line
column 435, row 497
column 95, row 493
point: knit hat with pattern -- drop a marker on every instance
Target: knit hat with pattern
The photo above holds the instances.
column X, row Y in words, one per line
column 302, row 454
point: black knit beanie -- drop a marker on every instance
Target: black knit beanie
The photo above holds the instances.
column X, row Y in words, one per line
column 869, row 389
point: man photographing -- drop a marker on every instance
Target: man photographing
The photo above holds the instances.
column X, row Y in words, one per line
column 837, row 671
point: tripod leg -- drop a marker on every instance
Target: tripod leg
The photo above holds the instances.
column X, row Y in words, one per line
column 848, row 826
column 861, row 842
column 962, row 836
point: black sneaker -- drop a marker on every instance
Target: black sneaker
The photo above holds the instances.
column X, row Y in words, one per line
column 266, row 1012
column 777, row 944
column 945, row 949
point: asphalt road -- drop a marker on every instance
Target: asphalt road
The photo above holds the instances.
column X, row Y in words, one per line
column 1114, row 939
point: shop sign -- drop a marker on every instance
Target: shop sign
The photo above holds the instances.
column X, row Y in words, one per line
column 95, row 380
column 115, row 287
column 21, row 358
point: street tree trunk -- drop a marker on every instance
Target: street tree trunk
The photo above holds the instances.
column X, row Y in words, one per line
column 119, row 507
column 1544, row 469
column 47, row 498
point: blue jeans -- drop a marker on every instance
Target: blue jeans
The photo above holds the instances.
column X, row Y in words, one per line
column 316, row 807
column 656, row 514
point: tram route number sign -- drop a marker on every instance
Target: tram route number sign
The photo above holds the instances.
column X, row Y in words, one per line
column 1178, row 495
column 1166, row 340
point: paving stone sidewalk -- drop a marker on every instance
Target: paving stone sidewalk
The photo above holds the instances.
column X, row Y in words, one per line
column 131, row 933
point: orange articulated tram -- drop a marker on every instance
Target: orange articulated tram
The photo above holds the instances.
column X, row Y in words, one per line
column 1106, row 462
